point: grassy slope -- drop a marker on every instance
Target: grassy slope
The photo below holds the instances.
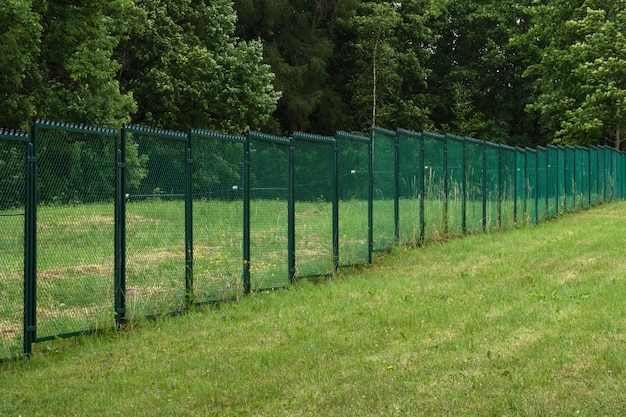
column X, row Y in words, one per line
column 528, row 322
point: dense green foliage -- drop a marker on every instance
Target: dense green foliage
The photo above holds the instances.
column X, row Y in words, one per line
column 518, row 72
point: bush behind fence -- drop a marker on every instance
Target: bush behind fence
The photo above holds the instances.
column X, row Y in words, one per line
column 102, row 226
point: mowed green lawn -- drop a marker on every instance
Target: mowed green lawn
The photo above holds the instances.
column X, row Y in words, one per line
column 527, row 322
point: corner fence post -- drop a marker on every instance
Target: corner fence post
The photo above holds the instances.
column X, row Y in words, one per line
column 189, row 292
column 30, row 248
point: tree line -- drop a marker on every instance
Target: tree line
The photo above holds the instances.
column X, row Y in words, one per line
column 526, row 73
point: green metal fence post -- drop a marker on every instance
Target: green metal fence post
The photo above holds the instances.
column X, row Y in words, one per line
column 484, row 186
column 291, row 215
column 30, row 247
column 515, row 190
column 547, row 184
column 370, row 202
column 396, row 186
column 499, row 208
column 445, row 186
column 335, row 208
column 589, row 175
column 464, row 188
column 421, row 181
column 119, row 285
column 246, row 217
column 189, row 291
column 556, row 197
column 536, row 187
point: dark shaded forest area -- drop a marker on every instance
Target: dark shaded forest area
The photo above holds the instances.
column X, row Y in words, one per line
column 522, row 73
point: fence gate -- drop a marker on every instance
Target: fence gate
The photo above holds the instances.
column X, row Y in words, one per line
column 75, row 228
column 13, row 156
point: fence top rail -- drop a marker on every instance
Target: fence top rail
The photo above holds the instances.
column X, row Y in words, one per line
column 208, row 134
column 351, row 136
column 454, row 137
column 476, row 141
column 507, row 147
column 410, row 133
column 432, row 135
column 155, row 132
column 541, row 149
column 312, row 137
column 519, row 149
column 530, row 150
column 269, row 138
column 75, row 128
column 569, row 147
column 382, row 130
column 18, row 135
column 492, row 145
column 552, row 147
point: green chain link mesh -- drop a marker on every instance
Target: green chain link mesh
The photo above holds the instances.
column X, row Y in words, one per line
column 155, row 221
column 314, row 194
column 13, row 146
column 409, row 180
column 75, row 228
column 269, row 211
column 383, row 172
column 353, row 179
column 218, row 174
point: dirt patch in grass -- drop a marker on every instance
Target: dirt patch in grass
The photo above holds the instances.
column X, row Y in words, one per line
column 9, row 330
column 104, row 271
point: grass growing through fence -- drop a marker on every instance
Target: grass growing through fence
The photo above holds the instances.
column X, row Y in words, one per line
column 528, row 322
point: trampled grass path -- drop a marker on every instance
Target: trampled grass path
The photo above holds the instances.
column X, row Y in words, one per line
column 527, row 322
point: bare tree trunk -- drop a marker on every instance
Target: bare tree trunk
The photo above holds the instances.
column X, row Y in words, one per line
column 374, row 90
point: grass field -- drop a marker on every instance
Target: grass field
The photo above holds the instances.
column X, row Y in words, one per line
column 527, row 322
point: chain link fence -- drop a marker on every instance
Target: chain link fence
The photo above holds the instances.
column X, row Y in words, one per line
column 103, row 226
column 355, row 189
column 75, row 228
column 155, row 221
column 13, row 155
column 315, row 205
column 218, row 213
